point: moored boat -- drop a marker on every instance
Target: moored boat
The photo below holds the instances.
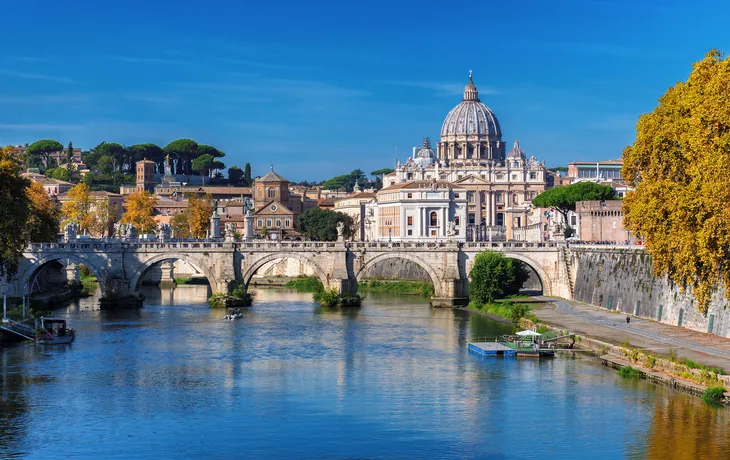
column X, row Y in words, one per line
column 53, row 331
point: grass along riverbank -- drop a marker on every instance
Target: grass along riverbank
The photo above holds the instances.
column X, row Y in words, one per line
column 420, row 288
column 505, row 308
column 305, row 284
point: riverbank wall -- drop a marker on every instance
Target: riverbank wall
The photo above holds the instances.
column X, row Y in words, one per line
column 623, row 280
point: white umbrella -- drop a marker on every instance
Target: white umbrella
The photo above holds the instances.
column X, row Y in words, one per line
column 528, row 333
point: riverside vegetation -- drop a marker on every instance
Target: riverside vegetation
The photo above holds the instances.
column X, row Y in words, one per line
column 239, row 297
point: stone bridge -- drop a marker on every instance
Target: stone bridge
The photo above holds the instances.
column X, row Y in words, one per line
column 120, row 265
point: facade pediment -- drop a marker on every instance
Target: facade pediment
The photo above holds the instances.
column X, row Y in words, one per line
column 472, row 179
column 273, row 208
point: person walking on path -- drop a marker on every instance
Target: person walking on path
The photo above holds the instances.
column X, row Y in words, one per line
column 628, row 320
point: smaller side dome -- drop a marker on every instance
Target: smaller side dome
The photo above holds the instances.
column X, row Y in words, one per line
column 516, row 151
column 425, row 156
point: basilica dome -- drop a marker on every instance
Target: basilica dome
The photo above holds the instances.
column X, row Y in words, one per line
column 425, row 155
column 470, row 118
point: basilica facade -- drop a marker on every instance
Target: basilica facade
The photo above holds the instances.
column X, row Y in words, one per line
column 471, row 156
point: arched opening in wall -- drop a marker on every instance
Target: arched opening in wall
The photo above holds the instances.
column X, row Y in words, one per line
column 172, row 281
column 533, row 284
column 397, row 275
column 285, row 271
column 56, row 277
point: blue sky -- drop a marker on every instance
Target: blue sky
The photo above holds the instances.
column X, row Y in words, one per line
column 319, row 88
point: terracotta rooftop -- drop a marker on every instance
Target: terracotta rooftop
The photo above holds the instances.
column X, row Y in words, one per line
column 215, row 189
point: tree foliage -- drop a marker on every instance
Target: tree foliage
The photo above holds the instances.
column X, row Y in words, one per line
column 235, row 174
column 43, row 148
column 247, row 179
column 203, row 165
column 140, row 211
column 184, row 150
column 194, row 222
column 381, row 172
column 13, row 212
column 495, row 276
column 77, row 209
column 321, row 224
column 565, row 197
column 678, row 165
column 43, row 216
column 346, row 182
column 152, row 152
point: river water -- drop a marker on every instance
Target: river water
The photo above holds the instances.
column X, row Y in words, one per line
column 290, row 380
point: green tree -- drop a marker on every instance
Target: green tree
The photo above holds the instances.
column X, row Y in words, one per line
column 678, row 166
column 321, row 224
column 70, row 157
column 382, row 172
column 42, row 150
column 495, row 276
column 13, row 212
column 184, row 150
column 346, row 182
column 204, row 149
column 203, row 165
column 115, row 151
column 105, row 164
column 152, row 152
column 59, row 173
column 247, row 179
column 235, row 174
column 564, row 198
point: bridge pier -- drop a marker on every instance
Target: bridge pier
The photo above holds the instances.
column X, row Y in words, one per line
column 116, row 293
column 73, row 274
column 167, row 277
column 452, row 294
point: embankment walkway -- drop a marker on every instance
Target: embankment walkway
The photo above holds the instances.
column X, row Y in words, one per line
column 610, row 326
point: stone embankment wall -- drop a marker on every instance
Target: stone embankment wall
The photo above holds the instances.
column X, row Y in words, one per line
column 623, row 280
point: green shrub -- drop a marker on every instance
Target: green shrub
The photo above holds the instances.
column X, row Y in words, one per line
column 507, row 310
column 183, row 280
column 495, row 276
column 714, row 395
column 421, row 288
column 629, row 372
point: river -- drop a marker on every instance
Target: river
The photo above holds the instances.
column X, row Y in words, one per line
column 290, row 380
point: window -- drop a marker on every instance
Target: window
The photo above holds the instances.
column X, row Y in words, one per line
column 514, row 176
column 272, row 193
column 260, row 223
column 470, row 197
column 287, row 223
column 434, row 219
column 268, row 222
column 410, row 220
column 515, row 165
column 499, row 197
column 456, row 195
column 532, row 175
column 410, row 195
column 433, row 232
column 278, row 223
column 273, row 207
column 410, row 232
column 457, row 221
column 471, row 218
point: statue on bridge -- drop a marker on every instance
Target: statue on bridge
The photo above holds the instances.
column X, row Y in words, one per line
column 230, row 228
column 126, row 231
column 340, row 231
column 164, row 231
column 70, row 232
column 451, row 229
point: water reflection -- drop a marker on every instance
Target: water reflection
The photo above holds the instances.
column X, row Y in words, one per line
column 291, row 380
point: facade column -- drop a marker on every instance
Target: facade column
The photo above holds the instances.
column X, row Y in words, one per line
column 478, row 203
column 423, row 226
column 444, row 218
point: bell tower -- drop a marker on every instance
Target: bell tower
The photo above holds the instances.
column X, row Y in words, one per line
column 146, row 175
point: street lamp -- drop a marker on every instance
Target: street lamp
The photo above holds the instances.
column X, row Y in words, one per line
column 390, row 231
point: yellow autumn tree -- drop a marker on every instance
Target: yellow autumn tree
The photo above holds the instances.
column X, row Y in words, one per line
column 43, row 219
column 194, row 222
column 140, row 211
column 678, row 165
column 78, row 208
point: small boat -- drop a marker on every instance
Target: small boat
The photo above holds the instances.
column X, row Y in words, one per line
column 53, row 331
column 233, row 314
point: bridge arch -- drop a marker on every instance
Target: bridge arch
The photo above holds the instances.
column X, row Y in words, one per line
column 136, row 280
column 435, row 279
column 542, row 275
column 248, row 270
column 32, row 270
